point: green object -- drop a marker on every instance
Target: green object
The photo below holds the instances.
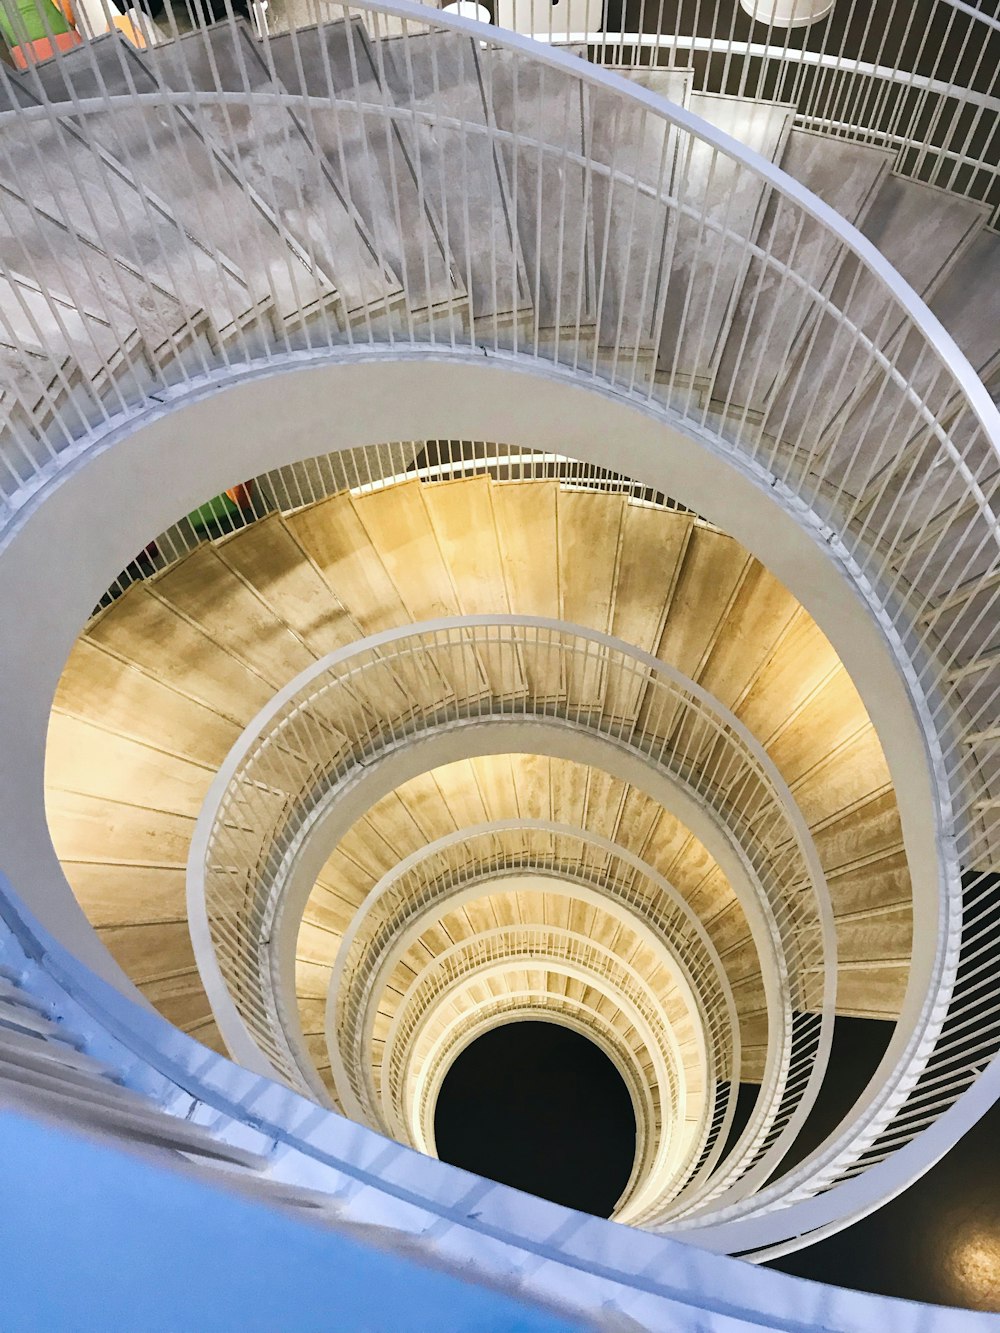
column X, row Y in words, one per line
column 30, row 21
column 213, row 512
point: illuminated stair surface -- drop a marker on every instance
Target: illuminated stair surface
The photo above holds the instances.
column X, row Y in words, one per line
column 159, row 687
column 405, row 737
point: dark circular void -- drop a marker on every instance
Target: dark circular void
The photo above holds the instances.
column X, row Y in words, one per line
column 539, row 1107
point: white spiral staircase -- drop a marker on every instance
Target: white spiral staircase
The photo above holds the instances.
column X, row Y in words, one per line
column 608, row 630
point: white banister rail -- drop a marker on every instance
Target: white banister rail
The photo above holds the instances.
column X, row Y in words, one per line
column 922, row 79
column 467, row 1222
column 476, row 861
column 625, row 264
column 361, row 471
column 380, row 695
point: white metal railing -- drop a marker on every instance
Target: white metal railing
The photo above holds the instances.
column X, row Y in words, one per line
column 635, row 307
column 921, row 79
column 362, row 471
column 481, row 862
column 200, row 1102
column 479, row 858
column 678, row 1130
column 577, row 1015
column 643, row 307
column 862, row 416
column 366, row 702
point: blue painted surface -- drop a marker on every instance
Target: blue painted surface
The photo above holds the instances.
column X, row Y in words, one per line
column 96, row 1240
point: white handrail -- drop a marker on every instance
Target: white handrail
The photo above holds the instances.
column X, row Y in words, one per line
column 464, row 865
column 463, row 1219
column 915, row 521
column 270, row 796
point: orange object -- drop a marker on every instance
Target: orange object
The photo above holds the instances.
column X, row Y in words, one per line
column 32, row 53
column 128, row 30
column 242, row 494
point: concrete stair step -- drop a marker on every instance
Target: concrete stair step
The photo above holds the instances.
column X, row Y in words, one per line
column 923, row 233
column 172, row 154
column 551, row 193
column 108, row 317
column 631, row 229
column 965, row 302
column 261, row 147
column 704, row 282
column 373, row 155
column 960, row 296
column 46, row 405
column 463, row 170
column 172, row 669
column 94, row 69
column 901, row 492
column 271, row 147
column 773, row 316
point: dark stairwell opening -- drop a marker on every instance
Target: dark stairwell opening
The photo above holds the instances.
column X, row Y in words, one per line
column 539, row 1107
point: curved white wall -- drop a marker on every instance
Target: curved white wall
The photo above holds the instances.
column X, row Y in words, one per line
column 73, row 539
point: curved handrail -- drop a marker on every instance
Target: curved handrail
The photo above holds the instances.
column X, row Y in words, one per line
column 677, row 1138
column 273, row 790
column 674, row 933
column 415, row 19
column 461, row 1214
column 867, row 517
column 362, row 471
column 922, row 81
column 447, row 871
column 517, row 1006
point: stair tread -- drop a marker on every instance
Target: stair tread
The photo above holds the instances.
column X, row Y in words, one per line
column 900, row 492
column 631, row 229
column 174, row 156
column 66, row 173
column 773, row 318
column 921, row 230
column 606, row 565
column 205, row 591
column 267, row 556
column 75, row 301
column 399, row 526
column 703, row 286
column 148, row 632
column 561, row 277
column 137, row 707
column 271, row 147
column 461, row 515
column 378, row 168
column 84, row 71
column 902, row 211
column 441, row 72
column 966, row 303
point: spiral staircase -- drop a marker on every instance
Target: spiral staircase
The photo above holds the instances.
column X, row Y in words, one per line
column 595, row 620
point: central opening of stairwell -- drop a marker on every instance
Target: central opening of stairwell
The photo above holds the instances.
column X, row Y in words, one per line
column 539, row 1107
